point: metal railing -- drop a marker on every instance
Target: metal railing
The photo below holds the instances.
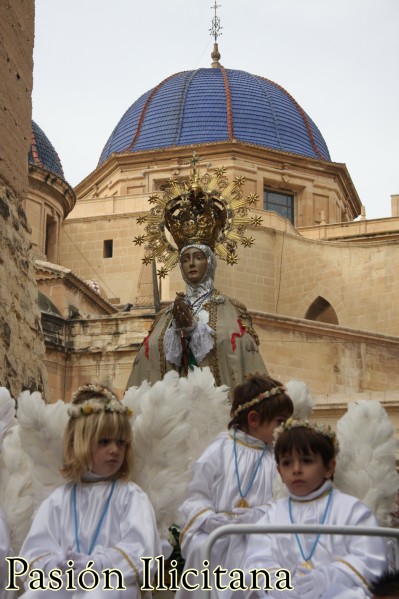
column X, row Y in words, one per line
column 239, row 529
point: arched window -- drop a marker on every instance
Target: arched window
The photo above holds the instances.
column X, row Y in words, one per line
column 322, row 311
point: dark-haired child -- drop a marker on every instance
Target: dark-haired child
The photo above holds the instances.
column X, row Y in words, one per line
column 386, row 585
column 232, row 481
column 322, row 566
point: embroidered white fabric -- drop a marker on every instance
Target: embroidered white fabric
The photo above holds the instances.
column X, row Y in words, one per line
column 172, row 346
column 201, row 343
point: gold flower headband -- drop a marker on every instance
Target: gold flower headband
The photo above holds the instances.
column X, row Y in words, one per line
column 322, row 429
column 94, row 406
column 258, row 399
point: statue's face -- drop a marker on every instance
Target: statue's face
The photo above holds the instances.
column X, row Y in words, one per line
column 194, row 264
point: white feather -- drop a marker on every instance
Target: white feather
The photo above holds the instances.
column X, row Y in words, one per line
column 366, row 466
column 16, row 497
column 16, row 491
column 31, row 457
column 301, row 398
column 7, row 412
column 175, row 420
column 41, row 429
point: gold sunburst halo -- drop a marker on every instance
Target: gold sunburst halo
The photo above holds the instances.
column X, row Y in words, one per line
column 207, row 210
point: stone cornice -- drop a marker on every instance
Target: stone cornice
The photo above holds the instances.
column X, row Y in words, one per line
column 233, row 149
column 64, row 192
column 325, row 408
column 302, row 325
column 361, row 232
column 47, row 271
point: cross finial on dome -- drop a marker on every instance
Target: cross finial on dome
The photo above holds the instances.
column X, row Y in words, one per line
column 215, row 32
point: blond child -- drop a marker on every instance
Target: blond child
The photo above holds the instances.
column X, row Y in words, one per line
column 99, row 516
column 321, row 566
column 232, row 480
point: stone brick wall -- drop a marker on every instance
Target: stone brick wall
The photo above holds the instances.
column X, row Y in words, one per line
column 359, row 281
column 21, row 342
column 110, row 199
column 331, row 359
column 99, row 349
column 16, row 67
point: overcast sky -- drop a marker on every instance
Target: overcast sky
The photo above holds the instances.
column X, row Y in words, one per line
column 338, row 58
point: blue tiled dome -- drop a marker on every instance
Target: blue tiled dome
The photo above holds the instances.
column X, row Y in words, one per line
column 214, row 105
column 42, row 152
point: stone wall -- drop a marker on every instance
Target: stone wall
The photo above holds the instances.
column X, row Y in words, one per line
column 16, row 67
column 284, row 274
column 21, row 344
column 332, row 360
column 99, row 349
column 110, row 199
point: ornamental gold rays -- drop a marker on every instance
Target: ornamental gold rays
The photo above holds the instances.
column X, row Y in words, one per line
column 207, row 210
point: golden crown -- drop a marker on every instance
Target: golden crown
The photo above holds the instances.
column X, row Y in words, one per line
column 205, row 210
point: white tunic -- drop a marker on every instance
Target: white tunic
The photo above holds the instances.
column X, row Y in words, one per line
column 361, row 558
column 128, row 532
column 4, row 552
column 214, row 491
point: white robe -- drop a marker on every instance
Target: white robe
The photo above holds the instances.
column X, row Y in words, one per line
column 128, row 533
column 4, row 552
column 214, row 490
column 360, row 558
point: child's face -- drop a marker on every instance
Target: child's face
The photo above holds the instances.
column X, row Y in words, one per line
column 107, row 457
column 303, row 474
column 264, row 430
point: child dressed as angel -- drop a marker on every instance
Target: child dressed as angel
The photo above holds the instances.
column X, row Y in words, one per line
column 233, row 479
column 322, row 566
column 99, row 516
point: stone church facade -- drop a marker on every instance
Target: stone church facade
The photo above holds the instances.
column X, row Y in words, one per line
column 320, row 281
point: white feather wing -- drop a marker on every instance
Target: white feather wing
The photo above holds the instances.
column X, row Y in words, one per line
column 16, row 494
column 174, row 420
column 16, row 490
column 41, row 429
column 209, row 410
column 301, row 398
column 366, row 465
column 7, row 412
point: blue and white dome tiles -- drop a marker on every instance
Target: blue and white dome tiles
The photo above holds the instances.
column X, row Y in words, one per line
column 42, row 153
column 214, row 105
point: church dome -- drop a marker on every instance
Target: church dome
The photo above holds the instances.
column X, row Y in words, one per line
column 216, row 105
column 42, row 152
